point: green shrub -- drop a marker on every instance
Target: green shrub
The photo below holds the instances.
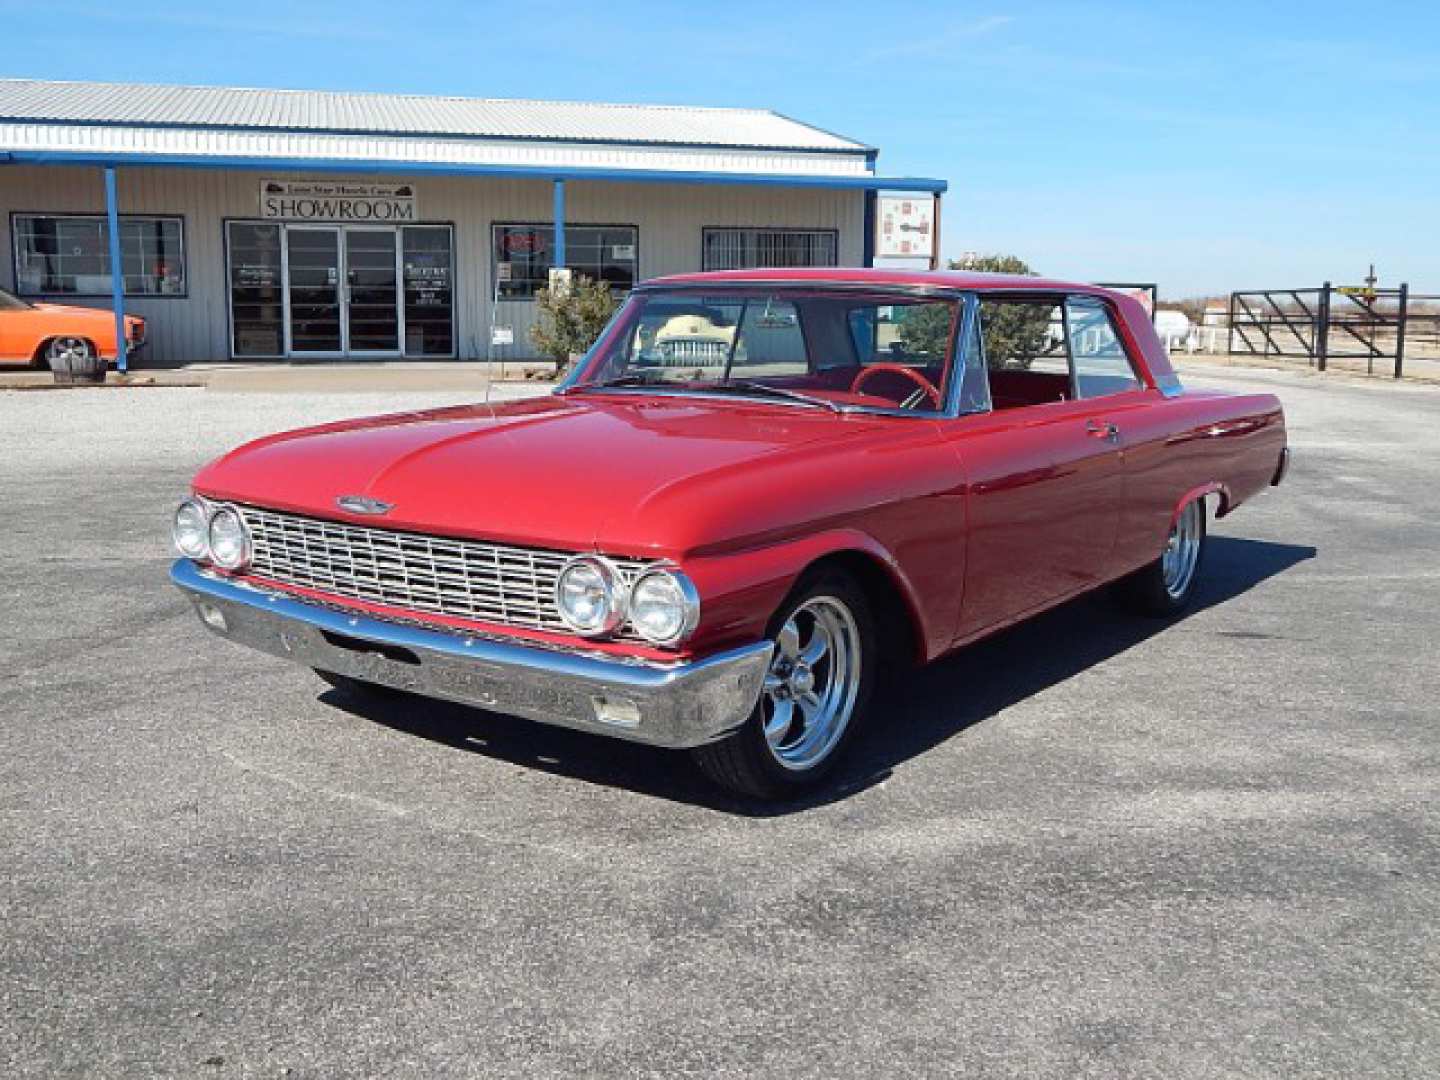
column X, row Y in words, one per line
column 569, row 322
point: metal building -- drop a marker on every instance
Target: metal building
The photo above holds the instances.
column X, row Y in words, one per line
column 263, row 224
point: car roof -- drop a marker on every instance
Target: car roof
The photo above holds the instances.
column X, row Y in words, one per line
column 835, row 275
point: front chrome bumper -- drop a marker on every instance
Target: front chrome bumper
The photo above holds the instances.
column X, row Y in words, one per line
column 674, row 705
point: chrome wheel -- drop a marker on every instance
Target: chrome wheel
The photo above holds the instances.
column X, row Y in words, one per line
column 1182, row 549
column 813, row 682
column 67, row 351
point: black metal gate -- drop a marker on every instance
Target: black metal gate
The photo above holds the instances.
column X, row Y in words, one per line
column 1328, row 323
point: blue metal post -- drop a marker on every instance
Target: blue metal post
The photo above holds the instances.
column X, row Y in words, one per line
column 117, row 277
column 559, row 223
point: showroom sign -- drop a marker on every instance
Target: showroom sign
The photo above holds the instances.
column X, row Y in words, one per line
column 319, row 200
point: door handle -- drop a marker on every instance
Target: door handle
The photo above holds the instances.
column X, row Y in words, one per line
column 1103, row 429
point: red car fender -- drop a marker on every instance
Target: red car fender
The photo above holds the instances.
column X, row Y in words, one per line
column 741, row 591
column 1214, row 487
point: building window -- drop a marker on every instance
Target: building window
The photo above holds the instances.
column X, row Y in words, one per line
column 523, row 255
column 743, row 249
column 257, row 301
column 69, row 255
column 429, row 291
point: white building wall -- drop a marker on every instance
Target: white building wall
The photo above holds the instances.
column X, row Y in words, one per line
column 195, row 328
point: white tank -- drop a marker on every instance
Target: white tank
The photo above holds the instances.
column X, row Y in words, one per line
column 1172, row 325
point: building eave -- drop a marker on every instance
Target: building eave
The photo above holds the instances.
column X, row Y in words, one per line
column 865, row 182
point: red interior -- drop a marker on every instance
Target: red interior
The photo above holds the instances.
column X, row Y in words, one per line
column 1016, row 389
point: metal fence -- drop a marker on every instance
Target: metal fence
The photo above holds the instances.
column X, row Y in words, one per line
column 1331, row 323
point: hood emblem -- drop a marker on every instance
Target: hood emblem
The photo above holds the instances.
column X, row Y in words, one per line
column 363, row 504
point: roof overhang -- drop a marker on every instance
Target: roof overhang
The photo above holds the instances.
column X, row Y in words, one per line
column 388, row 166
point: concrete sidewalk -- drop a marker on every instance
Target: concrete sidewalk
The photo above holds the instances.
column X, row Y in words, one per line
column 400, row 376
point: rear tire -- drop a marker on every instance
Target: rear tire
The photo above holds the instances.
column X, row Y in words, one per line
column 1165, row 586
column 816, row 691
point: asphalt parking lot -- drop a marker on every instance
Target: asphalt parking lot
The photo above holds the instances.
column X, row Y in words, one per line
column 1093, row 846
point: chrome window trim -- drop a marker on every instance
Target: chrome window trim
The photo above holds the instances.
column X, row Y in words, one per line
column 571, row 382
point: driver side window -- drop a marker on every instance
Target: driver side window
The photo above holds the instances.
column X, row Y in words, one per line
column 916, row 335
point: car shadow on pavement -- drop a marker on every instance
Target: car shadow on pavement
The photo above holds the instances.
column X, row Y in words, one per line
column 915, row 714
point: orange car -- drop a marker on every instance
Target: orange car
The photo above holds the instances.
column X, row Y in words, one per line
column 37, row 334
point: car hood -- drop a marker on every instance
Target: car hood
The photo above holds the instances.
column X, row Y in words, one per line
column 628, row 474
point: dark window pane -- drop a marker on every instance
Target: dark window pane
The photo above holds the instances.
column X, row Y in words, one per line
column 257, row 305
column 71, row 255
column 745, row 249
column 599, row 252
column 429, row 291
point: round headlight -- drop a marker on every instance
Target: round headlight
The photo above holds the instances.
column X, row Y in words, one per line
column 664, row 607
column 191, row 529
column 590, row 596
column 229, row 542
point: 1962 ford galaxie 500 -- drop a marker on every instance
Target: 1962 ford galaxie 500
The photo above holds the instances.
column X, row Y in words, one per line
column 758, row 490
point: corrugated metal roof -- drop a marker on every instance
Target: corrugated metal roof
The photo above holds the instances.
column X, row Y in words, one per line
column 142, row 105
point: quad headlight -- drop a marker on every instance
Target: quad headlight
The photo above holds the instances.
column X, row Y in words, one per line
column 590, row 596
column 664, row 606
column 211, row 533
column 191, row 530
column 229, row 540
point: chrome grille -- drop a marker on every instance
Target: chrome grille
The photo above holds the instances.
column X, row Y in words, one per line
column 465, row 579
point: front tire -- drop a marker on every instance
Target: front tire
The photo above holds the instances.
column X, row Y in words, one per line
column 68, row 353
column 1165, row 587
column 815, row 693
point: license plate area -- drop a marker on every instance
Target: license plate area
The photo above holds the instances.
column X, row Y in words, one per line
column 395, row 653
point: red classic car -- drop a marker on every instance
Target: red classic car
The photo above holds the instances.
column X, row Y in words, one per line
column 755, row 493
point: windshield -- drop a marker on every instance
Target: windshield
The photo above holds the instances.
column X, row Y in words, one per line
column 825, row 348
column 11, row 302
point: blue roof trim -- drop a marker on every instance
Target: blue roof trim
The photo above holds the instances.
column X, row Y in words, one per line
column 869, row 182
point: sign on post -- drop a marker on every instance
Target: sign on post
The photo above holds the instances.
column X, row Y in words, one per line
column 906, row 227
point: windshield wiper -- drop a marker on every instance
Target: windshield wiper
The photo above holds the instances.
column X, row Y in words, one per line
column 741, row 386
column 751, row 386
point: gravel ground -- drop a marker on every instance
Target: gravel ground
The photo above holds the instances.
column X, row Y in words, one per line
column 1093, row 846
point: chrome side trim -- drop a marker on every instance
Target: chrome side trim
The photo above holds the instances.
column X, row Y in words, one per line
column 676, row 704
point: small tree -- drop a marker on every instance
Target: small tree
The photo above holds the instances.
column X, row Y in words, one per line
column 924, row 328
column 570, row 320
column 1014, row 333
column 993, row 264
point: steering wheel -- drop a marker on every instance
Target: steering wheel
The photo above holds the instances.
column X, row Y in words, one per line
column 927, row 388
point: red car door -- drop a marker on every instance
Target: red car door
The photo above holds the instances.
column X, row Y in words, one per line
column 1045, row 467
column 1045, row 484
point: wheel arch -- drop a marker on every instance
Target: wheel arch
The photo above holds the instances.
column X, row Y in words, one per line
column 1218, row 488
column 893, row 603
column 37, row 355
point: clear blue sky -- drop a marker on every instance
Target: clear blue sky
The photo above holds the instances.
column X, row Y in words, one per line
column 1204, row 146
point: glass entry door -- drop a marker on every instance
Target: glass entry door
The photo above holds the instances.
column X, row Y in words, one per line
column 334, row 291
column 344, row 293
column 372, row 295
column 313, row 281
